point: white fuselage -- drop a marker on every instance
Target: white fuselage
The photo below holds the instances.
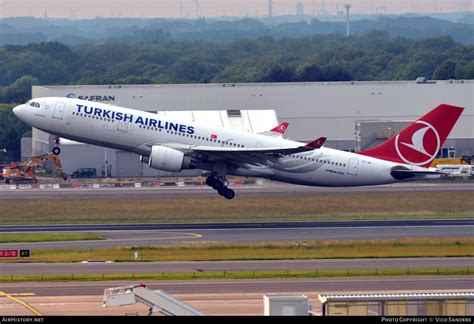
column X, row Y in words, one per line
column 111, row 126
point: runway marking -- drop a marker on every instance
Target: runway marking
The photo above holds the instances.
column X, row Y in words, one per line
column 186, row 235
column 22, row 294
column 55, row 304
column 29, row 307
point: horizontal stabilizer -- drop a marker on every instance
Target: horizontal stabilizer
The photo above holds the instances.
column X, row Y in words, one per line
column 407, row 174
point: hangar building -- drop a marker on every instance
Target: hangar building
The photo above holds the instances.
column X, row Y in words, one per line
column 352, row 115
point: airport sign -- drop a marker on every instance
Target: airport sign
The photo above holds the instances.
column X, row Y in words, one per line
column 8, row 253
column 15, row 253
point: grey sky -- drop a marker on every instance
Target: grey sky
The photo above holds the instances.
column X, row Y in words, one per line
column 210, row 8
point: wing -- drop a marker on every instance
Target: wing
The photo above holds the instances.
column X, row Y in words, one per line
column 242, row 157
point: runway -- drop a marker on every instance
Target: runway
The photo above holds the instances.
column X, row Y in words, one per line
column 232, row 266
column 147, row 234
column 268, row 188
column 318, row 285
column 212, row 297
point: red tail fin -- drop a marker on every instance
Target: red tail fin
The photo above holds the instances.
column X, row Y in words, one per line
column 281, row 129
column 418, row 143
column 317, row 143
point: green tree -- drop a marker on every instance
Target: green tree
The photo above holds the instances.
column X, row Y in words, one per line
column 468, row 72
column 333, row 72
column 311, row 73
column 11, row 131
column 445, row 71
column 20, row 91
column 279, row 74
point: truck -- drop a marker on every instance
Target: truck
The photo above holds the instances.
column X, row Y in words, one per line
column 23, row 172
column 85, row 173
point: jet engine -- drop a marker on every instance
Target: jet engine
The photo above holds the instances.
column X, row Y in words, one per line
column 168, row 159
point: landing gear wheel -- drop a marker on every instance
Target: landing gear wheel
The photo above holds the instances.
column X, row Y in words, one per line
column 209, row 181
column 222, row 191
column 220, row 186
column 229, row 193
column 217, row 185
column 56, row 151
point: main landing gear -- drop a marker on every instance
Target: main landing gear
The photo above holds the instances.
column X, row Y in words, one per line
column 220, row 186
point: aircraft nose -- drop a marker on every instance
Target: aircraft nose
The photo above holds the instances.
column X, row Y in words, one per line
column 19, row 111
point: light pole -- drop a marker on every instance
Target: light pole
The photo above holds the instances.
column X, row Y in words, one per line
column 4, row 150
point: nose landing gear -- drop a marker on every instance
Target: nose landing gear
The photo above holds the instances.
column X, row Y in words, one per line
column 56, row 149
column 221, row 187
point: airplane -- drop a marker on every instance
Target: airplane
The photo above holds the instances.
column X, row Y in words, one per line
column 175, row 145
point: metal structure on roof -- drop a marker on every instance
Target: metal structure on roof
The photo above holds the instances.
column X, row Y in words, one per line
column 398, row 296
column 399, row 304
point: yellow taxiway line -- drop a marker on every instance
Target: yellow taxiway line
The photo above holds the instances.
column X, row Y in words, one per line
column 31, row 308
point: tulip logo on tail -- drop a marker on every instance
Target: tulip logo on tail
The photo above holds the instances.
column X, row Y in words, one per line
column 282, row 128
column 419, row 147
column 418, row 143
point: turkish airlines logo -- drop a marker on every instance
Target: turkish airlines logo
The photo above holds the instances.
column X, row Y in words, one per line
column 421, row 147
column 282, row 128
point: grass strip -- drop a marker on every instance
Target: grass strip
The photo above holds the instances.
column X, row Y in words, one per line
column 303, row 207
column 47, row 237
column 321, row 249
column 240, row 275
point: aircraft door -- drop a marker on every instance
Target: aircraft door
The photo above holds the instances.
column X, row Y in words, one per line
column 353, row 167
column 59, row 110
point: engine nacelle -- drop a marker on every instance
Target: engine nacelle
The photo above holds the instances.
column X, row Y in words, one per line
column 168, row 159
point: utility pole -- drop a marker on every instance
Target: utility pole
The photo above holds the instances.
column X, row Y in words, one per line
column 270, row 8
column 197, row 8
column 348, row 23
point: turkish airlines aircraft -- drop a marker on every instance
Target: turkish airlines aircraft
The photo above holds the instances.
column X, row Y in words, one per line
column 174, row 145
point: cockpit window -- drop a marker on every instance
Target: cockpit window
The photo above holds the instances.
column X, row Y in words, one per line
column 34, row 104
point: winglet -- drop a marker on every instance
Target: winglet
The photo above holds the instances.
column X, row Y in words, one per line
column 317, row 143
column 277, row 131
column 281, row 129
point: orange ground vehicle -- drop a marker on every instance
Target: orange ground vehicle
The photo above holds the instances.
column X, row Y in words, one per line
column 17, row 172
